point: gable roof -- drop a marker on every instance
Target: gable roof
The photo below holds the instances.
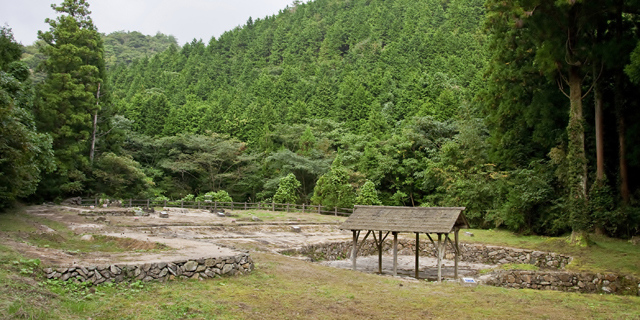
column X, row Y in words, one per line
column 406, row 219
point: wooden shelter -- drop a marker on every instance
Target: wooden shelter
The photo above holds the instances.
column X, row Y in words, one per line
column 394, row 220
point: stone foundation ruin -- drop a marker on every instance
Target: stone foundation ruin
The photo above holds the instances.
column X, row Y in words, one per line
column 202, row 268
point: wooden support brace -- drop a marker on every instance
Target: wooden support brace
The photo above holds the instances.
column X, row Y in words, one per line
column 457, row 254
column 395, row 254
column 417, row 255
column 439, row 257
column 354, row 251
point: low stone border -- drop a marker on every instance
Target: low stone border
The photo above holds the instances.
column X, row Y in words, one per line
column 202, row 268
column 477, row 253
column 565, row 281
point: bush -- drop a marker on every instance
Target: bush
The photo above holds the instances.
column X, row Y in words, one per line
column 287, row 190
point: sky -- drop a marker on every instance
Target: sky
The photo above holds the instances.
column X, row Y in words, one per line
column 184, row 19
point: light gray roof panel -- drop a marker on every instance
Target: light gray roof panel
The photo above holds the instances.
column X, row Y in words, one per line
column 406, row 219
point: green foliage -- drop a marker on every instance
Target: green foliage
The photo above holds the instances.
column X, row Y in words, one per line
column 27, row 266
column 67, row 98
column 287, row 190
column 368, row 195
column 366, row 65
column 188, row 198
column 333, row 188
column 10, row 50
column 120, row 177
column 24, row 153
column 221, row 196
column 122, row 47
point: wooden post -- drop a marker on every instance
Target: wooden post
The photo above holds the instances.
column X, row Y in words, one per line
column 303, row 208
column 380, row 252
column 318, row 209
column 395, row 254
column 353, row 251
column 215, row 205
column 130, row 203
column 287, row 207
column 147, row 204
column 165, row 203
column 245, row 205
column 181, row 203
column 198, row 204
column 457, row 252
column 231, row 205
column 417, row 255
column 439, row 257
column 335, row 211
column 273, row 206
column 96, row 202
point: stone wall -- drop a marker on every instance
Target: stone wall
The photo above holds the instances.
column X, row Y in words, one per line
column 469, row 252
column 565, row 281
column 160, row 271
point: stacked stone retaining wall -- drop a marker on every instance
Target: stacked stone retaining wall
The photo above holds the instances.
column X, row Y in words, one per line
column 202, row 268
column 477, row 253
column 565, row 281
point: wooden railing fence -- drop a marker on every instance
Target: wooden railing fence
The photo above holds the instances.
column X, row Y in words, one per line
column 214, row 205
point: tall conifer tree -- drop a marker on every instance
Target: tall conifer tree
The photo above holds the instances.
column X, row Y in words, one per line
column 68, row 97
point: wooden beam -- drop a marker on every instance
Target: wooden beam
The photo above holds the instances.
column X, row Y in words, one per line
column 457, row 255
column 417, row 255
column 395, row 254
column 356, row 234
column 380, row 252
column 439, row 257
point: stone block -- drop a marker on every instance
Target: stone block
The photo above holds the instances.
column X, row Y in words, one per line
column 190, row 266
column 227, row 268
column 115, row 270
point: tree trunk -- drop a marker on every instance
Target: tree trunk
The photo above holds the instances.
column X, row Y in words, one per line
column 95, row 126
column 599, row 134
column 624, row 177
column 620, row 107
column 576, row 155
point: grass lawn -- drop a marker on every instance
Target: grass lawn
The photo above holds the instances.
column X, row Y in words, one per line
column 288, row 288
column 283, row 216
column 603, row 255
column 285, row 288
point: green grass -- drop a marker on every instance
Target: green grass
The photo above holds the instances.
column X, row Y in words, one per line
column 603, row 255
column 284, row 288
column 283, row 216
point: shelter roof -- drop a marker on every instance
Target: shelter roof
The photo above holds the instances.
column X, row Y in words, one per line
column 406, row 219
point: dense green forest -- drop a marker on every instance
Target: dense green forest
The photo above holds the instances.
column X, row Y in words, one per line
column 524, row 112
column 120, row 47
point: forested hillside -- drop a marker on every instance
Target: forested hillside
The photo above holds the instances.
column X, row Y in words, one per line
column 524, row 112
column 120, row 47
column 348, row 61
